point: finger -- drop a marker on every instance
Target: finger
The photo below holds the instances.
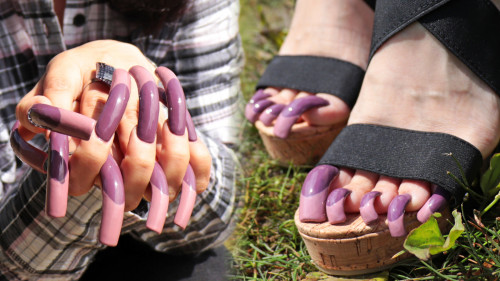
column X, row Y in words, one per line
column 90, row 155
column 188, row 198
column 27, row 130
column 201, row 163
column 315, row 192
column 58, row 180
column 113, row 202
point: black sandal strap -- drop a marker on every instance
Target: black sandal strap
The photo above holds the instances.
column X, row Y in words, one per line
column 315, row 75
column 405, row 154
column 468, row 29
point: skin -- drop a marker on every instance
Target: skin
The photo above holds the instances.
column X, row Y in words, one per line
column 66, row 84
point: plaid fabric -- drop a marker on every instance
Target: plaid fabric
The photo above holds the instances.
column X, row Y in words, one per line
column 203, row 48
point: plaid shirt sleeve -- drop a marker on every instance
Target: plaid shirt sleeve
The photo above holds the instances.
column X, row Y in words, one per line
column 205, row 52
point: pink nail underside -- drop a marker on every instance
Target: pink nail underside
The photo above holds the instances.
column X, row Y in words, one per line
column 159, row 201
column 188, row 198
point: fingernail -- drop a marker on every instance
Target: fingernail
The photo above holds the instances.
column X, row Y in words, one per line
column 57, row 184
column 113, row 202
column 258, row 107
column 271, row 113
column 188, row 198
column 335, row 205
column 395, row 215
column 367, row 208
column 29, row 154
column 434, row 204
column 163, row 96
column 115, row 105
column 259, row 95
column 314, row 193
column 148, row 104
column 61, row 120
column 159, row 200
column 291, row 114
column 176, row 101
column 192, row 136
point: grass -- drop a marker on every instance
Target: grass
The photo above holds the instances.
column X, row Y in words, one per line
column 266, row 244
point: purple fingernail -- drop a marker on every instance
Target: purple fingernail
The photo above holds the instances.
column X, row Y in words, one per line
column 249, row 108
column 395, row 215
column 57, row 184
column 335, row 205
column 159, row 200
column 367, row 208
column 29, row 154
column 291, row 114
column 271, row 113
column 176, row 100
column 314, row 193
column 113, row 202
column 61, row 120
column 435, row 203
column 192, row 136
column 163, row 96
column 188, row 198
column 115, row 105
column 148, row 103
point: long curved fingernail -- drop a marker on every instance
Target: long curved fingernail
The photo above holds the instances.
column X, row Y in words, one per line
column 271, row 113
column 113, row 202
column 56, row 200
column 188, row 198
column 314, row 193
column 176, row 100
column 335, row 205
column 366, row 207
column 291, row 114
column 29, row 154
column 192, row 136
column 395, row 215
column 148, row 103
column 159, row 200
column 61, row 120
column 258, row 107
column 114, row 108
column 435, row 203
column 249, row 111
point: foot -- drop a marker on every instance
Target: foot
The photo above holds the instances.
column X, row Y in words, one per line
column 339, row 29
column 413, row 82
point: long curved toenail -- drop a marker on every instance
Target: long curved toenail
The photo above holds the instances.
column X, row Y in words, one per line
column 315, row 192
column 435, row 203
column 259, row 95
column 335, row 205
column 57, row 183
column 291, row 114
column 159, row 200
column 395, row 215
column 113, row 202
column 367, row 208
column 271, row 113
column 257, row 109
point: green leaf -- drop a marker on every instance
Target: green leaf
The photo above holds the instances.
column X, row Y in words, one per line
column 427, row 240
column 490, row 180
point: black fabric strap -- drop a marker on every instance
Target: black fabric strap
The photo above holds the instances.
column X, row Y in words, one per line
column 315, row 75
column 405, row 154
column 470, row 29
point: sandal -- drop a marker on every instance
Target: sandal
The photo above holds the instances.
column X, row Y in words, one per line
column 399, row 153
column 286, row 138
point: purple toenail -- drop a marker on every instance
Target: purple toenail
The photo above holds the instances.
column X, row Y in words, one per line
column 314, row 193
column 271, row 113
column 335, row 205
column 435, row 203
column 253, row 114
column 367, row 208
column 291, row 114
column 395, row 215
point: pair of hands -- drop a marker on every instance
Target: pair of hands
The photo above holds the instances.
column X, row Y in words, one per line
column 67, row 84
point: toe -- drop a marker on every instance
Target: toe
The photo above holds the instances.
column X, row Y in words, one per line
column 419, row 192
column 362, row 182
